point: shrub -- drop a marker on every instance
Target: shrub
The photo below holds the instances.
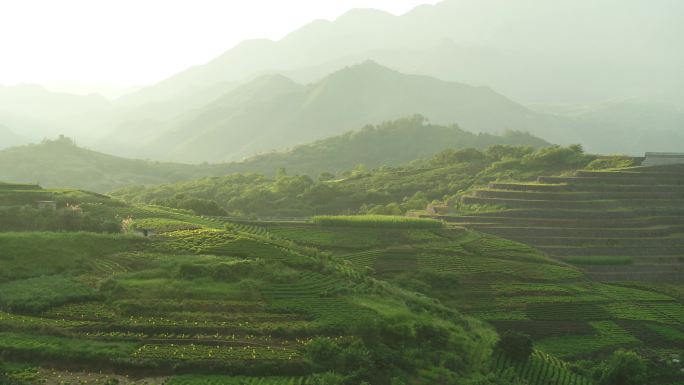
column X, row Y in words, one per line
column 558, row 157
column 624, row 368
column 616, row 161
column 458, row 156
column 515, row 345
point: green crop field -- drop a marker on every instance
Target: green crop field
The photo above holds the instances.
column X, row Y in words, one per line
column 384, row 221
column 202, row 300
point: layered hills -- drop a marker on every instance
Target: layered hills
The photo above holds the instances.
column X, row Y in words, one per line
column 273, row 112
column 524, row 50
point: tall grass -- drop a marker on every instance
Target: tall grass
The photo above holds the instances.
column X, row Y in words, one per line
column 382, row 221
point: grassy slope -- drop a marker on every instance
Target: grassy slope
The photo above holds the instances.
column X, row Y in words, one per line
column 200, row 296
column 512, row 286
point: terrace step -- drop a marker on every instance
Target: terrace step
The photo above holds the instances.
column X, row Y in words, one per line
column 627, row 251
column 640, row 267
column 530, row 203
column 617, row 223
column 635, row 275
column 579, row 196
column 669, row 214
column 564, row 187
column 631, row 173
column 575, row 204
column 652, row 259
column 675, row 168
column 611, row 181
column 591, row 242
column 661, row 232
column 529, row 187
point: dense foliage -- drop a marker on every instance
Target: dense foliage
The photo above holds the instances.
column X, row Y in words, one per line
column 624, row 368
column 515, row 345
column 383, row 190
column 61, row 163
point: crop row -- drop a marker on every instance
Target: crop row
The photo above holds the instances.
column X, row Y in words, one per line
column 362, row 259
column 383, row 221
column 192, row 352
column 250, row 248
column 308, row 284
column 608, row 336
column 226, row 380
column 541, row 369
column 477, row 265
column 544, row 329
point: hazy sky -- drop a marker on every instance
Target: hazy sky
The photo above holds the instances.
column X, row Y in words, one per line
column 134, row 42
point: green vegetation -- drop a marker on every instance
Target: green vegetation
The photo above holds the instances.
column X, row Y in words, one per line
column 515, row 345
column 337, row 299
column 212, row 297
column 538, row 369
column 383, row 221
column 60, row 163
column 41, row 293
column 381, row 191
column 624, row 368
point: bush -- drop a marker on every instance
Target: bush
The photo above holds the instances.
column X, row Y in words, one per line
column 458, row 156
column 558, row 157
column 323, row 353
column 624, row 368
column 515, row 345
column 611, row 162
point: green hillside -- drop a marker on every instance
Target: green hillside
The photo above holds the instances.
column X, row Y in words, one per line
column 60, row 163
column 618, row 225
column 208, row 298
column 390, row 143
column 383, row 190
column 133, row 293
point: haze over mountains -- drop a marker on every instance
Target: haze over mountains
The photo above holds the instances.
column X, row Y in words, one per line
column 458, row 61
column 530, row 51
column 273, row 112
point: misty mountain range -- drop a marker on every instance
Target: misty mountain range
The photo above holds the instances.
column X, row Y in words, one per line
column 486, row 65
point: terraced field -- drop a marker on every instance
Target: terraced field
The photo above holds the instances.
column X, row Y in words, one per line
column 514, row 286
column 238, row 301
column 622, row 225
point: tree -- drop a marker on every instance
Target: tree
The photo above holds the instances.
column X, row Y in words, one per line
column 515, row 345
column 624, row 368
column 450, row 155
